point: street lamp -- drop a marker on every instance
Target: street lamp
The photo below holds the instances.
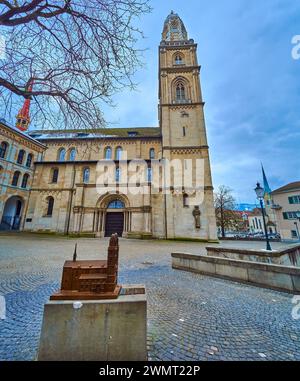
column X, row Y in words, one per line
column 260, row 195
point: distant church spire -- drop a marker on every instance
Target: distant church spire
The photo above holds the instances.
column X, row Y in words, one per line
column 23, row 117
column 174, row 29
column 265, row 180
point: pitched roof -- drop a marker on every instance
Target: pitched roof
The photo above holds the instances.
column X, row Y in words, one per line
column 140, row 132
column 288, row 188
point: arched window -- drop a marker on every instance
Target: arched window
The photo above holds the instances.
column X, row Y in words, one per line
column 50, row 205
column 86, row 175
column 118, row 175
column 152, row 153
column 72, row 155
column 29, row 160
column 61, row 154
column 1, row 172
column 20, row 157
column 116, row 204
column 149, row 175
column 25, row 181
column 178, row 59
column 15, row 179
column 54, row 177
column 3, row 150
column 107, row 153
column 180, row 92
column 119, row 153
column 185, row 201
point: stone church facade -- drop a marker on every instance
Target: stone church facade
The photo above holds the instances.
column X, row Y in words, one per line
column 64, row 194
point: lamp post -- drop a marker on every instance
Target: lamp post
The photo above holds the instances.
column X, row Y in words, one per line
column 260, row 195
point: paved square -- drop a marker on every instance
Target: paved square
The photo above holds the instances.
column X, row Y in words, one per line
column 190, row 316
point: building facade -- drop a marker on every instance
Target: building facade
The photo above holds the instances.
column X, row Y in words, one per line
column 256, row 222
column 66, row 195
column 286, row 204
column 18, row 152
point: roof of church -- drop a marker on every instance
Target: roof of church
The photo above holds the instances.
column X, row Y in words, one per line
column 289, row 187
column 141, row 132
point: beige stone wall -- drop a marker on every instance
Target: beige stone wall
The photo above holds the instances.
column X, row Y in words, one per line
column 184, row 137
column 284, row 226
column 80, row 207
column 8, row 166
column 94, row 149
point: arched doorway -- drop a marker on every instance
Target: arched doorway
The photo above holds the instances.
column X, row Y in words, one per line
column 12, row 214
column 114, row 221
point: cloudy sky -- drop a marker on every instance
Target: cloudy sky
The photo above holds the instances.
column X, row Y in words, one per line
column 250, row 83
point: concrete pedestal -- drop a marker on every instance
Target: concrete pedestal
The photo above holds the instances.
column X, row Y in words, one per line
column 96, row 330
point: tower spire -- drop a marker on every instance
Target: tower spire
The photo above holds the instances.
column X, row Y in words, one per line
column 23, row 117
column 174, row 29
column 266, row 183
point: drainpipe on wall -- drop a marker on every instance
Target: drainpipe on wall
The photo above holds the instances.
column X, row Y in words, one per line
column 165, row 199
column 26, row 206
column 71, row 200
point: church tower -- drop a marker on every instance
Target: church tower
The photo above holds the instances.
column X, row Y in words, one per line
column 183, row 131
column 23, row 117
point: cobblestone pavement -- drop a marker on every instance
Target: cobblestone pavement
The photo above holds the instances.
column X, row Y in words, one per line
column 190, row 316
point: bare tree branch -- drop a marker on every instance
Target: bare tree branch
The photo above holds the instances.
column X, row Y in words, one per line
column 78, row 54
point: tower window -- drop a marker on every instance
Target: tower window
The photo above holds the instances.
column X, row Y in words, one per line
column 180, row 92
column 183, row 131
column 178, row 59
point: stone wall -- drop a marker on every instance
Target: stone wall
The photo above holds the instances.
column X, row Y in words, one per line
column 283, row 278
column 286, row 257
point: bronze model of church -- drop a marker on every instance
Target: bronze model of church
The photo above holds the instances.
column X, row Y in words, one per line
column 91, row 280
